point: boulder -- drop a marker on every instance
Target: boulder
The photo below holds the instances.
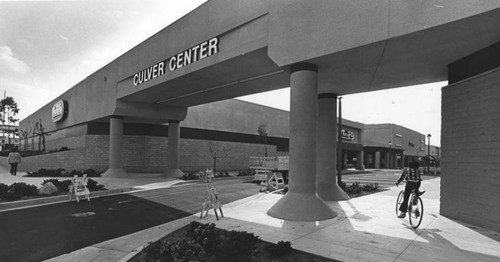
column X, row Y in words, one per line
column 47, row 189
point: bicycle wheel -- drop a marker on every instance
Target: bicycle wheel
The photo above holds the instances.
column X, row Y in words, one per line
column 415, row 211
column 399, row 201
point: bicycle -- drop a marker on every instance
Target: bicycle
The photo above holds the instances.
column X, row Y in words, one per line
column 415, row 208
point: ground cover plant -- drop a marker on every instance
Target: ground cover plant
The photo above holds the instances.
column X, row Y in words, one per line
column 356, row 189
column 196, row 175
column 206, row 243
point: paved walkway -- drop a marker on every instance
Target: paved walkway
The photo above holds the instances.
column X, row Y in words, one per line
column 366, row 229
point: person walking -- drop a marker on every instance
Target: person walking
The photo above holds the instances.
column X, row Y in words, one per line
column 14, row 159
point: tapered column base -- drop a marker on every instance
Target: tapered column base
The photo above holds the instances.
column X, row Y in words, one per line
column 301, row 207
column 174, row 172
column 331, row 192
column 115, row 172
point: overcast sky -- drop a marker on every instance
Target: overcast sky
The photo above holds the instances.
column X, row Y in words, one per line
column 46, row 47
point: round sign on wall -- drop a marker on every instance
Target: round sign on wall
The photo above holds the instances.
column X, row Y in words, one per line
column 59, row 111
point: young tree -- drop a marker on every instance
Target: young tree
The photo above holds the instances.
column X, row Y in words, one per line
column 9, row 109
column 24, row 137
column 263, row 137
column 39, row 131
column 217, row 153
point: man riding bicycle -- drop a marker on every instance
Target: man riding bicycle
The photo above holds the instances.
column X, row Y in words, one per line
column 413, row 181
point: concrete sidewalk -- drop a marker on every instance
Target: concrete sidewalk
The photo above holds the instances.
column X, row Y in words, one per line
column 366, row 229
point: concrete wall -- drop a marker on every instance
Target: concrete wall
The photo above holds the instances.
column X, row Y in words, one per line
column 470, row 178
column 238, row 116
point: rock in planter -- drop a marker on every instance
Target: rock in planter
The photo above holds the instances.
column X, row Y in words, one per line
column 47, row 189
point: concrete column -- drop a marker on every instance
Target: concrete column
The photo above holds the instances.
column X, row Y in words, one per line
column 301, row 203
column 361, row 159
column 377, row 160
column 361, row 155
column 173, row 150
column 387, row 160
column 326, row 151
column 115, row 148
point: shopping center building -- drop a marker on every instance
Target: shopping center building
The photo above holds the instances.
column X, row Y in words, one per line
column 321, row 50
column 228, row 127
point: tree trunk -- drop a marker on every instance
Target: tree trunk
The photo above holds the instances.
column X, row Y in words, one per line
column 215, row 164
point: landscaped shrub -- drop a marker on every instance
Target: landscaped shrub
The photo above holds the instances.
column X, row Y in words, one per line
column 205, row 235
column 221, row 174
column 190, row 176
column 63, row 186
column 92, row 173
column 246, row 173
column 355, row 188
column 227, row 245
column 42, row 172
column 23, row 189
column 281, row 249
column 93, row 185
column 370, row 187
column 236, row 246
column 74, row 173
column 185, row 250
column 3, row 189
column 10, row 196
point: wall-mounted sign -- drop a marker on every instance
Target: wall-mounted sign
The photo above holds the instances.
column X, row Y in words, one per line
column 347, row 134
column 59, row 111
column 184, row 58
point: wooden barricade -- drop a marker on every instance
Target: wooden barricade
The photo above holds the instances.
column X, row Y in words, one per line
column 79, row 188
column 262, row 176
column 276, row 181
column 211, row 198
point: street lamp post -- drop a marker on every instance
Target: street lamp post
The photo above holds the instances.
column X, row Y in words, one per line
column 390, row 154
column 428, row 151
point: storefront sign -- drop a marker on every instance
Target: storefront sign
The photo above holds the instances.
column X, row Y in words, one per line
column 347, row 135
column 59, row 111
column 189, row 56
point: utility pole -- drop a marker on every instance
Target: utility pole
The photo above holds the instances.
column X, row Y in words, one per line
column 339, row 145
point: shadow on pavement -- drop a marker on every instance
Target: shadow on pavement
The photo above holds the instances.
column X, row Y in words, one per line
column 39, row 233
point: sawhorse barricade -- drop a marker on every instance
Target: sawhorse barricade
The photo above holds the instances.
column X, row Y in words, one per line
column 276, row 181
column 269, row 180
column 79, row 188
column 262, row 175
column 211, row 198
